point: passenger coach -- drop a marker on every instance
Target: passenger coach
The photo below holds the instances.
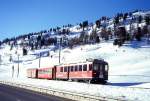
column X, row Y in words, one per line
column 32, row 73
column 90, row 71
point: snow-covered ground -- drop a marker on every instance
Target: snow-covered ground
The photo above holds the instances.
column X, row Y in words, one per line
column 129, row 72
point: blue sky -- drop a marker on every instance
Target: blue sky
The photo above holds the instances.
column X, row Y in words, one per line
column 24, row 16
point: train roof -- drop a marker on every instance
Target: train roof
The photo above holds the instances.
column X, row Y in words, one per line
column 45, row 68
column 87, row 61
column 32, row 68
column 100, row 61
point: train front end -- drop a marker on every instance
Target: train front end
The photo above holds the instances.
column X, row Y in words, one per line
column 100, row 71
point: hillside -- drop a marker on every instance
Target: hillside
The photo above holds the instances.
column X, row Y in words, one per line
column 129, row 72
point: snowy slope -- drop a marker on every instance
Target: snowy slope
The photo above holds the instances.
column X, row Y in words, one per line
column 129, row 67
column 129, row 72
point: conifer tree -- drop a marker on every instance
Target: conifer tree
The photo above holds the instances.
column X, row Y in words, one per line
column 98, row 23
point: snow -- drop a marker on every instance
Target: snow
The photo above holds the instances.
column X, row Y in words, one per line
column 139, row 13
column 129, row 72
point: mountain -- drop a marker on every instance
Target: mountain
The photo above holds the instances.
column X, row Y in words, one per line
column 124, row 45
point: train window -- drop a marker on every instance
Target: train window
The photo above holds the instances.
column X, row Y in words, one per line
column 76, row 68
column 85, row 67
column 90, row 67
column 72, row 68
column 80, row 67
column 45, row 71
column 106, row 67
column 69, row 68
column 95, row 67
column 49, row 71
column 65, row 69
column 61, row 69
column 39, row 72
column 55, row 69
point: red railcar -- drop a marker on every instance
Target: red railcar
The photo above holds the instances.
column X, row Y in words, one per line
column 32, row 73
column 95, row 71
column 45, row 73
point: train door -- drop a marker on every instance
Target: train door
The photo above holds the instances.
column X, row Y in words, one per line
column 68, row 72
column 36, row 73
column 54, row 70
column 101, row 71
column 98, row 71
column 106, row 68
column 95, row 71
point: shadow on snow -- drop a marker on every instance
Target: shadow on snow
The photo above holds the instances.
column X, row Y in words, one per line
column 124, row 84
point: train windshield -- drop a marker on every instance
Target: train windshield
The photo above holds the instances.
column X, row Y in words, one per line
column 96, row 67
column 100, row 67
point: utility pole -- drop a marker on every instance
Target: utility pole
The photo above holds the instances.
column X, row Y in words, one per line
column 0, row 60
column 18, row 66
column 60, row 40
column 12, row 71
column 39, row 60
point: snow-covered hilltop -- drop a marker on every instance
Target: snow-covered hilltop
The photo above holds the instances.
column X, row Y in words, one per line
column 123, row 41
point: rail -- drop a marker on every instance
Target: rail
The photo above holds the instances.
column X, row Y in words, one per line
column 64, row 94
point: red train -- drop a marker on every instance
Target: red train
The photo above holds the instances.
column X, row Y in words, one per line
column 90, row 71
